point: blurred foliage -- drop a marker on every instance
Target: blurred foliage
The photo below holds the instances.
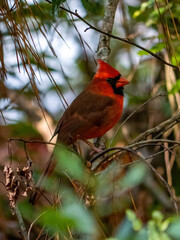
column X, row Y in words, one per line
column 56, row 4
column 175, row 87
column 93, row 6
column 72, row 217
column 46, row 59
column 157, row 228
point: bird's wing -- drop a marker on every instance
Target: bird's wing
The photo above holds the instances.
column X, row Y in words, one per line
column 86, row 111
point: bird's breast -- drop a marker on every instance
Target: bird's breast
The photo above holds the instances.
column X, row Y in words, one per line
column 109, row 116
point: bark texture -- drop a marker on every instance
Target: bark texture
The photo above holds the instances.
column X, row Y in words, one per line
column 107, row 26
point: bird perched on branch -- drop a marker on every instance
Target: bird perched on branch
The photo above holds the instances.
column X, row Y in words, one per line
column 96, row 110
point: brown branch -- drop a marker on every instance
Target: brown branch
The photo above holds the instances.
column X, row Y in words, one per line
column 118, row 38
column 32, row 224
column 158, row 153
column 4, row 119
column 21, row 223
column 136, row 144
column 30, row 141
column 162, row 127
column 142, row 105
column 147, row 163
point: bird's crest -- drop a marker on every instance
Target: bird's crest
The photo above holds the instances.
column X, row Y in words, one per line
column 106, row 71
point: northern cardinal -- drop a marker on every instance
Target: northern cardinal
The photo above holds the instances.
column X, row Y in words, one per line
column 96, row 110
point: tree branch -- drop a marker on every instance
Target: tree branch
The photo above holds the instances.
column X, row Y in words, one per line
column 107, row 26
column 164, row 126
column 118, row 38
column 127, row 149
column 156, row 141
column 140, row 106
column 21, row 224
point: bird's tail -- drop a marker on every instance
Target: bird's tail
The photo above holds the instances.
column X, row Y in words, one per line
column 39, row 189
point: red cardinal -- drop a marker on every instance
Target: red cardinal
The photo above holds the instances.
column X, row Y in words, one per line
column 92, row 113
column 96, row 110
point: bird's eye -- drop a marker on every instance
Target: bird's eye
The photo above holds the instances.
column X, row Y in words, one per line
column 109, row 80
column 112, row 80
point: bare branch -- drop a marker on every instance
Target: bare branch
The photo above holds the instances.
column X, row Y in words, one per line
column 31, row 226
column 153, row 141
column 107, row 26
column 164, row 126
column 119, row 38
column 160, row 152
column 142, row 105
column 147, row 163
column 116, row 37
column 21, row 223
column 30, row 141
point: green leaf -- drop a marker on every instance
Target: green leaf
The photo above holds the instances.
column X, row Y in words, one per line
column 135, row 221
column 56, row 4
column 165, row 224
column 125, row 231
column 74, row 216
column 22, row 130
column 142, row 53
column 175, row 88
column 143, row 8
column 157, row 216
column 176, row 59
column 27, row 210
column 70, row 164
column 92, row 6
column 174, row 229
column 155, row 229
column 156, row 48
column 134, row 176
column 82, row 218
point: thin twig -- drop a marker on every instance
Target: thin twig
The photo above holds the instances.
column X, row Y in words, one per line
column 142, row 105
column 147, row 163
column 159, row 128
column 4, row 119
column 31, row 226
column 153, row 141
column 119, row 38
column 116, row 37
column 21, row 223
column 158, row 153
column 168, row 166
column 30, row 141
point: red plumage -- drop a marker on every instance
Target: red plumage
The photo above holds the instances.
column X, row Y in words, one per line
column 105, row 71
column 91, row 114
column 96, row 110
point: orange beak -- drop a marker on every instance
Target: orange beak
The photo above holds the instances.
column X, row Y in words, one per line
column 121, row 82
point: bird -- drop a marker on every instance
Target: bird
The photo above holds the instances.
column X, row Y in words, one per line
column 95, row 110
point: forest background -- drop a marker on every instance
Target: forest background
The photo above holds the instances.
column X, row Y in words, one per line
column 48, row 52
